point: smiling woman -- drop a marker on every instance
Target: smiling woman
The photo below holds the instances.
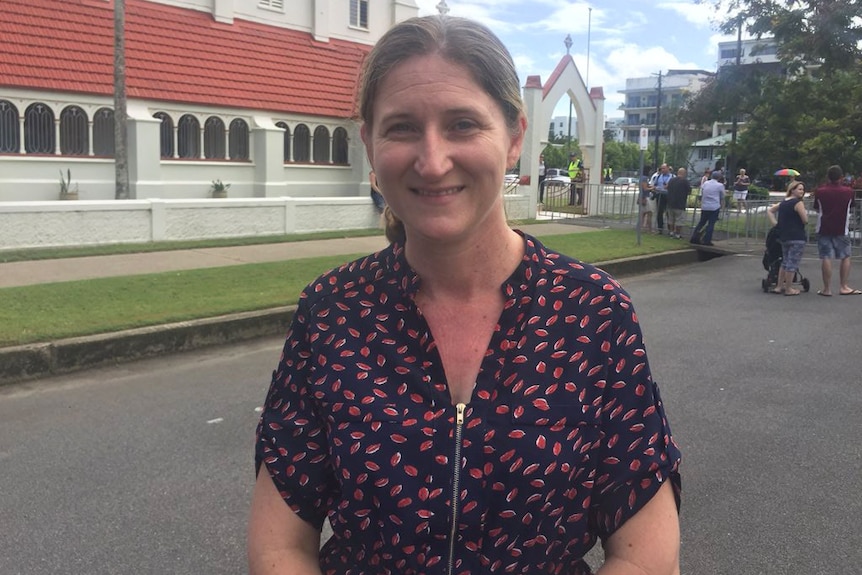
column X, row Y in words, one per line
column 418, row 405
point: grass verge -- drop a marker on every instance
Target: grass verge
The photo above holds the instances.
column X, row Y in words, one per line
column 67, row 309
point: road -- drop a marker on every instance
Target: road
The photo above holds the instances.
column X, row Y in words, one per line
column 147, row 467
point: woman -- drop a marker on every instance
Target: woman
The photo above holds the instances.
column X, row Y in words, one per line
column 740, row 190
column 466, row 400
column 791, row 217
column 647, row 201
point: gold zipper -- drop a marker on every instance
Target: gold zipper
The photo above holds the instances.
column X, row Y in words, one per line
column 456, row 482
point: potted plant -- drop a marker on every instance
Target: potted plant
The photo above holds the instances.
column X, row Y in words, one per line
column 66, row 191
column 219, row 189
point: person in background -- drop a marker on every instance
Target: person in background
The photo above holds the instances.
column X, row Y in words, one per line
column 705, row 177
column 791, row 217
column 541, row 178
column 376, row 196
column 711, row 196
column 660, row 191
column 834, row 203
column 740, row 190
column 416, row 405
column 575, row 186
column 647, row 201
column 678, row 191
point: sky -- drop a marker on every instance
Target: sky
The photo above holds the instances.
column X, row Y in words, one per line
column 623, row 38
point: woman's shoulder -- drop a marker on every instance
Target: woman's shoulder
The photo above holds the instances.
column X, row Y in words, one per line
column 360, row 274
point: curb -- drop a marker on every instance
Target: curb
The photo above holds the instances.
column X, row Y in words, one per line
column 39, row 360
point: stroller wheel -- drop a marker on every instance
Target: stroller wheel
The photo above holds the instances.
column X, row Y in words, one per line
column 765, row 285
column 806, row 285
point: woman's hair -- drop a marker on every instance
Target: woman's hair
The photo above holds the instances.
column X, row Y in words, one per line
column 792, row 186
column 460, row 41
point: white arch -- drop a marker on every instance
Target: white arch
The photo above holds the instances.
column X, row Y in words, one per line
column 541, row 100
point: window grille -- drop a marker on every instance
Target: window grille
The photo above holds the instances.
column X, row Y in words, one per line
column 103, row 132
column 214, row 148
column 166, row 134
column 10, row 137
column 359, row 13
column 238, row 139
column 189, row 137
column 339, row 146
column 286, row 129
column 301, row 143
column 39, row 129
column 321, row 145
column 74, row 132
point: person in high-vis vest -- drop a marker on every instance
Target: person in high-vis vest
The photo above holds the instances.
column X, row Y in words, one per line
column 574, row 174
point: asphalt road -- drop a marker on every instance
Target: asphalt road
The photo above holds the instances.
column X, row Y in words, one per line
column 147, row 467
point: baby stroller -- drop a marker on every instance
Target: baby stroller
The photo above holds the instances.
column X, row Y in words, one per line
column 772, row 258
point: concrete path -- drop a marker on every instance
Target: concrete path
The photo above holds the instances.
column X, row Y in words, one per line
column 68, row 269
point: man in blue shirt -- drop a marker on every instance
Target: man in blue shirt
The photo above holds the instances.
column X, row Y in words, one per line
column 660, row 190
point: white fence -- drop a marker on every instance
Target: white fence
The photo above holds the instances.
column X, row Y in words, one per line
column 78, row 223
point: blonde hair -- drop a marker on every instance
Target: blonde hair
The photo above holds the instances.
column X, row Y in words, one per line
column 792, row 186
column 460, row 41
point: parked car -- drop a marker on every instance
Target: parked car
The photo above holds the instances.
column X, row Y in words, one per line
column 625, row 182
column 556, row 176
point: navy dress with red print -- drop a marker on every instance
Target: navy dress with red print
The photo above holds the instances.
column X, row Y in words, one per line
column 564, row 438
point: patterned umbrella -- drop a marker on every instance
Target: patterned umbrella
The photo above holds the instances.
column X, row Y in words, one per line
column 787, row 172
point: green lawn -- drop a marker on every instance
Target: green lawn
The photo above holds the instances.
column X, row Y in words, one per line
column 59, row 310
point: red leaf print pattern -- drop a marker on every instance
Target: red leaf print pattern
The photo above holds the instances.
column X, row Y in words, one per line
column 565, row 428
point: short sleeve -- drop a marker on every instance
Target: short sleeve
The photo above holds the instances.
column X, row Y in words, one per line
column 637, row 454
column 291, row 440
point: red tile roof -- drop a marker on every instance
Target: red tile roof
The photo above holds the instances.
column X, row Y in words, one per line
column 175, row 54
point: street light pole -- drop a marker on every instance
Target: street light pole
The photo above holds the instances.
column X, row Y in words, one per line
column 568, row 43
column 731, row 160
column 657, row 122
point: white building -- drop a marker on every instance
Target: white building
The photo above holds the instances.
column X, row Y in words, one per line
column 256, row 93
column 645, row 99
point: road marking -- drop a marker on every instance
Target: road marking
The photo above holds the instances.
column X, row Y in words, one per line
column 216, row 420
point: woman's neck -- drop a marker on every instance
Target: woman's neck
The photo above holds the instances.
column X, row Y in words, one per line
column 472, row 267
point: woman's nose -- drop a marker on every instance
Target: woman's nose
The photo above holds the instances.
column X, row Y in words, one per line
column 433, row 158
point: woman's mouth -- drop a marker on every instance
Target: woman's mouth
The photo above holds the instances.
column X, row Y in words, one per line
column 437, row 192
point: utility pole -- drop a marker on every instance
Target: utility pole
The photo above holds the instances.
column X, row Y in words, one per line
column 568, row 43
column 121, row 151
column 657, row 121
column 731, row 160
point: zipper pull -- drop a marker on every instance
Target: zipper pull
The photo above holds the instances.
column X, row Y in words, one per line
column 459, row 413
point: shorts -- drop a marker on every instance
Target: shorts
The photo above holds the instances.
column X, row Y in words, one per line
column 740, row 194
column 833, row 247
column 675, row 216
column 791, row 254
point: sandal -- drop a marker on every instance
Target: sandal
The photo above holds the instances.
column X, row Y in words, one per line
column 851, row 292
column 792, row 292
column 776, row 290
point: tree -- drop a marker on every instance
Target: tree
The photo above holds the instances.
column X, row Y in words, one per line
column 121, row 152
column 823, row 33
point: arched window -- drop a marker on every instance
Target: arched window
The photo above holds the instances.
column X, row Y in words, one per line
column 321, row 145
column 339, row 146
column 74, row 132
column 39, row 129
column 10, row 137
column 214, row 138
column 238, row 140
column 103, row 133
column 301, row 143
column 189, row 137
column 286, row 128
column 166, row 135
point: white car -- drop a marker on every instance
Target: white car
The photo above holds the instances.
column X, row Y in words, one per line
column 625, row 182
column 556, row 177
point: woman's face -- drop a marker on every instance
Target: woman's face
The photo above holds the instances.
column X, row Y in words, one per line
column 797, row 191
column 439, row 146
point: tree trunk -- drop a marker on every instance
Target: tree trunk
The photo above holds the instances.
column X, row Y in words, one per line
column 121, row 152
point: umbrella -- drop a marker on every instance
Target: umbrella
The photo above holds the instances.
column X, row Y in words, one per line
column 787, row 172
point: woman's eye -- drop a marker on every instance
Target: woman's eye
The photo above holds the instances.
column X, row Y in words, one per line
column 464, row 125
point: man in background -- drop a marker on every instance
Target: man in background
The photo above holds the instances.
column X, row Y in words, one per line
column 660, row 188
column 678, row 190
column 833, row 202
